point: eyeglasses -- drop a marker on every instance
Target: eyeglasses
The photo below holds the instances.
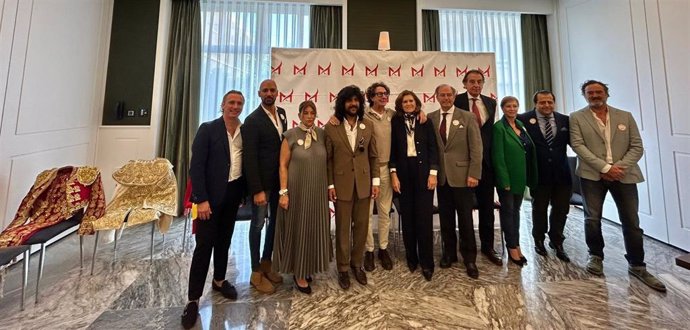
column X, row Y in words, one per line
column 382, row 94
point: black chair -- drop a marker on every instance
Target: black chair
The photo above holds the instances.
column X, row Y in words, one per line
column 42, row 236
column 7, row 254
column 576, row 197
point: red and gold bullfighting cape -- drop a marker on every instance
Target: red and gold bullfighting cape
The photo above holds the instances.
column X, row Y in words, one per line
column 57, row 194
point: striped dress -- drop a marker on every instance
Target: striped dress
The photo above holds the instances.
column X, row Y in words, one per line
column 302, row 238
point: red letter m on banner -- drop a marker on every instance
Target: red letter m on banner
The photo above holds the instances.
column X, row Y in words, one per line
column 487, row 72
column 277, row 69
column 326, row 70
column 297, row 70
column 394, row 72
column 460, row 73
column 440, row 72
column 346, row 71
column 428, row 98
column 310, row 97
column 331, row 97
column 371, row 72
column 286, row 97
column 417, row 72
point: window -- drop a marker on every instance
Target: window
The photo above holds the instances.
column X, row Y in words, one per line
column 487, row 31
column 237, row 37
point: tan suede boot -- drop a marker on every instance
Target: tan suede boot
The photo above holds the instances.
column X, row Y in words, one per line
column 261, row 283
column 266, row 268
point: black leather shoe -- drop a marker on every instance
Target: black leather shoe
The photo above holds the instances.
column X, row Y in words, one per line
column 385, row 258
column 447, row 261
column 540, row 249
column 306, row 289
column 427, row 273
column 226, row 289
column 190, row 314
column 472, row 270
column 518, row 262
column 412, row 266
column 344, row 280
column 360, row 275
column 369, row 261
column 560, row 252
column 493, row 256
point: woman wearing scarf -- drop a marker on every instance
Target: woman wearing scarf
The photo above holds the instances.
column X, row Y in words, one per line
column 515, row 165
column 302, row 241
column 413, row 165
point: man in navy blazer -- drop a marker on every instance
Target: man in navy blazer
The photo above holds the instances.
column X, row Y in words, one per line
column 218, row 188
column 484, row 108
column 262, row 135
column 550, row 132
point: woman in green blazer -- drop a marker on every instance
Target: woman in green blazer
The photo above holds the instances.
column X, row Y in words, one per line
column 515, row 165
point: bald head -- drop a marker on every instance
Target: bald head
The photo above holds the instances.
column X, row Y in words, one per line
column 268, row 91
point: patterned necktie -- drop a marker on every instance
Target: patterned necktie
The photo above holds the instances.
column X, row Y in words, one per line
column 475, row 111
column 548, row 130
column 442, row 128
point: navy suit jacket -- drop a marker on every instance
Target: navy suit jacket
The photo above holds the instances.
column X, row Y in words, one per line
column 209, row 168
column 552, row 161
column 425, row 144
column 462, row 101
column 261, row 150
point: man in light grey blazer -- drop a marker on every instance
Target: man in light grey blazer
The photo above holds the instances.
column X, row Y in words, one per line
column 460, row 156
column 608, row 145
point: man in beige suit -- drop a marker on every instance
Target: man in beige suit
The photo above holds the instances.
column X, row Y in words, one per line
column 608, row 145
column 353, row 179
column 460, row 154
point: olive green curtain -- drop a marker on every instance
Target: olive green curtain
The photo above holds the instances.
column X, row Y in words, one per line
column 326, row 29
column 535, row 54
column 431, row 30
column 180, row 111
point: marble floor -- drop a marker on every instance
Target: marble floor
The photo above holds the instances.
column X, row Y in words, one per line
column 128, row 291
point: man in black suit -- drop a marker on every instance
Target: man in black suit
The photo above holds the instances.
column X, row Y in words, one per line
column 262, row 135
column 550, row 132
column 218, row 188
column 484, row 109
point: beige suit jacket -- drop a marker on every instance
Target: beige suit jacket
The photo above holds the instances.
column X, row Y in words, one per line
column 348, row 170
column 589, row 144
column 461, row 156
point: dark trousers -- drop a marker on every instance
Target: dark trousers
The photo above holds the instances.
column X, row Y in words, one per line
column 559, row 198
column 417, row 207
column 450, row 201
column 259, row 215
column 627, row 202
column 484, row 194
column 213, row 236
column 510, row 217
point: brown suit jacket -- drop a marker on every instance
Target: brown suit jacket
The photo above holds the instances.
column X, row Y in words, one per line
column 349, row 170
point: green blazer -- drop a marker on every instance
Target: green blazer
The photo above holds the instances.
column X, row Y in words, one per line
column 511, row 166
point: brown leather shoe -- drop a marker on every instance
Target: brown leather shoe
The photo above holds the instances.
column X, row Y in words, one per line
column 360, row 275
column 344, row 280
column 266, row 268
column 369, row 261
column 261, row 283
column 385, row 258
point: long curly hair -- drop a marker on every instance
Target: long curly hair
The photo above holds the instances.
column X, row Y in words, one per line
column 346, row 94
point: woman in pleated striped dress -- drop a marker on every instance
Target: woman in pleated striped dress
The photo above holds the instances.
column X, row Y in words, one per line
column 302, row 240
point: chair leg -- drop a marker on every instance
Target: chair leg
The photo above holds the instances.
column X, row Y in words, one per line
column 25, row 275
column 81, row 251
column 41, row 259
column 184, row 233
column 95, row 247
column 153, row 231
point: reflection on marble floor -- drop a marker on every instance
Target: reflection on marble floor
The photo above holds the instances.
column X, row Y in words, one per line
column 127, row 291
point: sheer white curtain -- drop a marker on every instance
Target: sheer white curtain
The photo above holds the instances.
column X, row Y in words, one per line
column 237, row 37
column 488, row 31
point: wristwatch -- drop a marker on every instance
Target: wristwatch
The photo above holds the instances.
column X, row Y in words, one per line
column 282, row 192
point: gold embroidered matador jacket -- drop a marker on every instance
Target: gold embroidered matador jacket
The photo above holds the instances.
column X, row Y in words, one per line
column 57, row 194
column 146, row 191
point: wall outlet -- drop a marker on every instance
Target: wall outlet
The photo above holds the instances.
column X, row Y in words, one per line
column 130, row 113
column 143, row 112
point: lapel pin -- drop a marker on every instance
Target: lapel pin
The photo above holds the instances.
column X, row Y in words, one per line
column 563, row 129
column 621, row 127
column 362, row 126
column 461, row 126
column 456, row 122
column 300, row 142
column 282, row 116
column 532, row 121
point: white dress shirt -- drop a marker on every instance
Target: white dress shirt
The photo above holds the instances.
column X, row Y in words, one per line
column 606, row 131
column 480, row 105
column 275, row 120
column 235, row 144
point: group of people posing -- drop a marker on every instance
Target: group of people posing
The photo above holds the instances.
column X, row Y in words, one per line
column 366, row 155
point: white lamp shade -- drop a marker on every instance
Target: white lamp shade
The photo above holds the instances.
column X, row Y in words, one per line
column 384, row 41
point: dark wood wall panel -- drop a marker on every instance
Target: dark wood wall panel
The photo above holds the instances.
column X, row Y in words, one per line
column 366, row 18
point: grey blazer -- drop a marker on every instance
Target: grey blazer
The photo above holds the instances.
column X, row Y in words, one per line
column 461, row 156
column 589, row 144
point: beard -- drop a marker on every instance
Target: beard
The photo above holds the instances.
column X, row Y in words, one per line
column 268, row 101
